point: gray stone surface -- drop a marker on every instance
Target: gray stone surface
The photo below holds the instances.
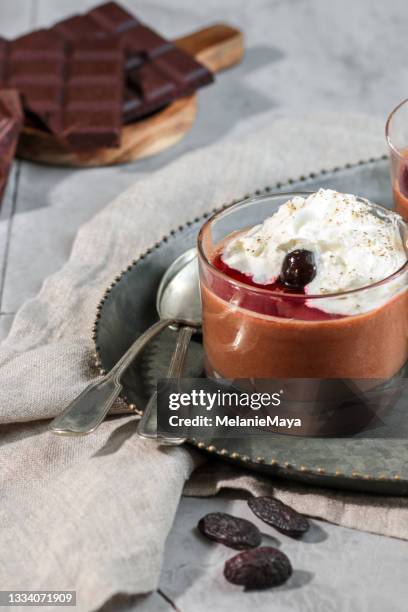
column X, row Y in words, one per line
column 302, row 56
column 335, row 569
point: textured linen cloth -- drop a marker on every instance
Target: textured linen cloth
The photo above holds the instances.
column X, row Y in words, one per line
column 92, row 513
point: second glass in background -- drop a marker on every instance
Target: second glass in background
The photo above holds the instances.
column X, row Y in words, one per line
column 396, row 132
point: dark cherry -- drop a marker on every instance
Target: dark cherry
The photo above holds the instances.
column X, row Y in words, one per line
column 230, row 530
column 283, row 307
column 298, row 269
column 284, row 518
column 258, row 568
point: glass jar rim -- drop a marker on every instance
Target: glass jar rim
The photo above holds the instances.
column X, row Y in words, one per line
column 282, row 294
column 388, row 127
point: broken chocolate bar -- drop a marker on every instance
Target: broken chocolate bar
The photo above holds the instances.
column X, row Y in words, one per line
column 11, row 121
column 75, row 89
column 85, row 76
column 156, row 72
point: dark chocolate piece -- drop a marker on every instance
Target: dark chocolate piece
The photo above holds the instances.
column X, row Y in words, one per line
column 74, row 88
column 113, row 18
column 93, row 94
column 79, row 26
column 11, row 121
column 148, row 89
column 34, row 64
column 137, row 38
column 156, row 72
column 181, row 71
column 162, row 80
column 139, row 41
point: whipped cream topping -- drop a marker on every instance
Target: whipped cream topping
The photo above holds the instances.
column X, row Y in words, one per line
column 354, row 244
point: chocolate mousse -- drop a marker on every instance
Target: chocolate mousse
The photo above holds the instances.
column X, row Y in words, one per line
column 317, row 289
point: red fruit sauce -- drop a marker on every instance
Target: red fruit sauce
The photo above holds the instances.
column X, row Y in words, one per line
column 286, row 307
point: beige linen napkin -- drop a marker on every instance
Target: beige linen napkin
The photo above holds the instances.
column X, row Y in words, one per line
column 93, row 513
column 381, row 514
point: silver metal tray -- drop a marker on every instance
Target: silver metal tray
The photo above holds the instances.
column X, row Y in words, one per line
column 128, row 308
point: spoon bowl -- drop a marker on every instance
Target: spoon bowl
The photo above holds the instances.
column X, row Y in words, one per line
column 178, row 295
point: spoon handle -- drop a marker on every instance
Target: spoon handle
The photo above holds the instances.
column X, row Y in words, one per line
column 85, row 413
column 147, row 426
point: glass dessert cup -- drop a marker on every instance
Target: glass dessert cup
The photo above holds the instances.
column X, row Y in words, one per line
column 254, row 333
column 396, row 132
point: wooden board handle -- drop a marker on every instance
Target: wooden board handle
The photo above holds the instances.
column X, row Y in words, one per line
column 217, row 47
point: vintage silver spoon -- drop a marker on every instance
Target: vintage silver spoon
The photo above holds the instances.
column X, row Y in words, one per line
column 177, row 306
column 182, row 298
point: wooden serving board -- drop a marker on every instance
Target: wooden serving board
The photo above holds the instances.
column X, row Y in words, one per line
column 217, row 47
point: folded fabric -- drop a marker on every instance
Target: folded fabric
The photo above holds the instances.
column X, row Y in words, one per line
column 93, row 513
column 382, row 514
